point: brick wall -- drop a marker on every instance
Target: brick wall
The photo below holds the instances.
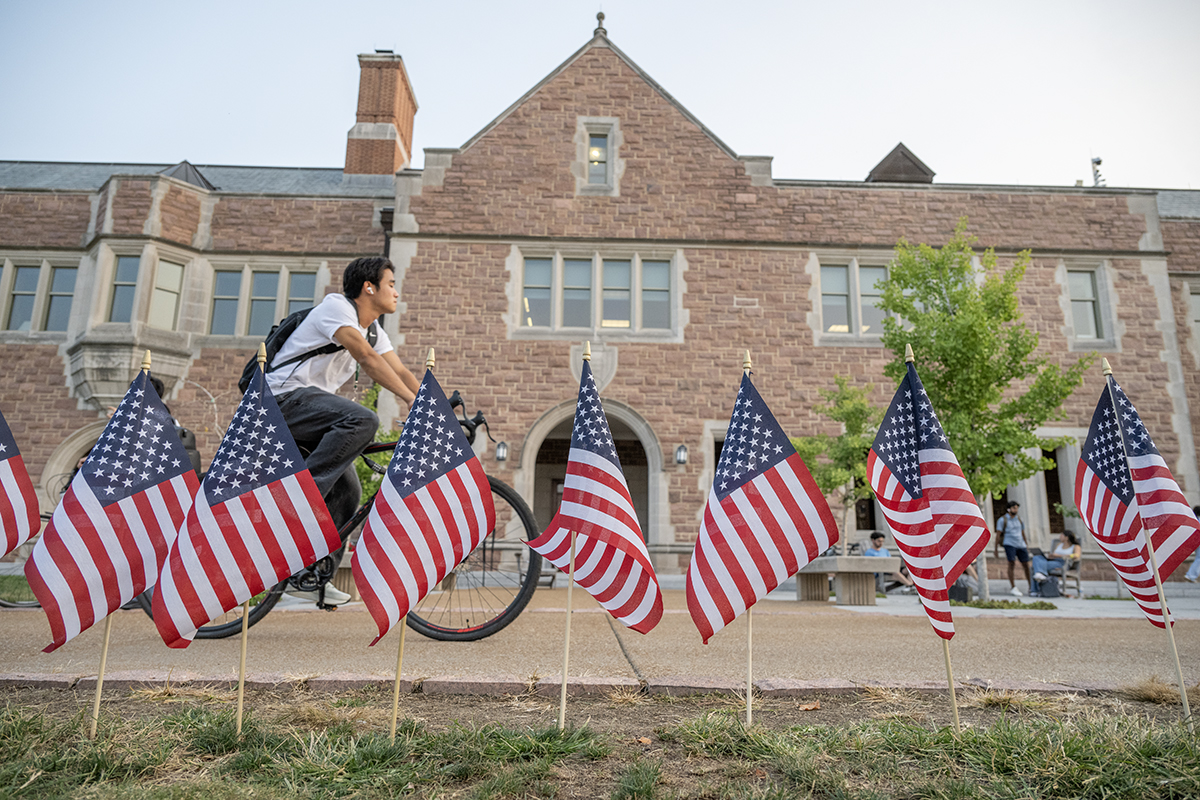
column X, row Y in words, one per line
column 43, row 219
column 131, row 207
column 280, row 224
column 678, row 184
column 35, row 402
column 180, row 214
column 1181, row 239
column 373, row 157
column 516, row 182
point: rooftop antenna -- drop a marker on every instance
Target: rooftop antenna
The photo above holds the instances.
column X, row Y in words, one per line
column 600, row 25
column 1097, row 178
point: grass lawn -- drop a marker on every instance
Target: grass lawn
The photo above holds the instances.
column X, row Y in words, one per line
column 181, row 743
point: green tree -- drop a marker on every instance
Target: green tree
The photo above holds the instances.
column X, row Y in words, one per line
column 839, row 463
column 976, row 357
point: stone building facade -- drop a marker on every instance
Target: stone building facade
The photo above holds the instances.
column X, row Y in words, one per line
column 595, row 208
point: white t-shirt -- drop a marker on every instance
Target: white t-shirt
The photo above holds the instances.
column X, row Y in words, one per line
column 330, row 370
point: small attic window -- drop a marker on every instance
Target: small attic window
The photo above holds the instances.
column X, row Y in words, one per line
column 598, row 158
column 598, row 165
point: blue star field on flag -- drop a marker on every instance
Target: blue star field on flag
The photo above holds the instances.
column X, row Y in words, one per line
column 909, row 425
column 1102, row 448
column 591, row 430
column 754, row 442
column 8, row 445
column 257, row 449
column 432, row 443
column 138, row 449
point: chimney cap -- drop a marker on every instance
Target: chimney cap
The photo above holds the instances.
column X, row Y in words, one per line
column 385, row 52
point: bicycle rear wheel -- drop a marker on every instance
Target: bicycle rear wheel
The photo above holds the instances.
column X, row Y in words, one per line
column 229, row 623
column 492, row 585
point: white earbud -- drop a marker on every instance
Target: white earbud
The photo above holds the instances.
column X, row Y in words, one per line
column 370, row 290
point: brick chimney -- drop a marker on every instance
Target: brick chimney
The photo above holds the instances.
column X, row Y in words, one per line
column 381, row 142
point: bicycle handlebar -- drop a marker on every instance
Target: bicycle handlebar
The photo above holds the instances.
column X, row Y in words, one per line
column 469, row 425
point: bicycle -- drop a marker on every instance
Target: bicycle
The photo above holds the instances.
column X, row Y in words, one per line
column 482, row 595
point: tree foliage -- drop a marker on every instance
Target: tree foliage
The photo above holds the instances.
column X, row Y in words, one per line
column 839, row 463
column 976, row 357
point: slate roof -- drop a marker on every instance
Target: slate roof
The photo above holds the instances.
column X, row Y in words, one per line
column 1179, row 204
column 301, row 181
column 901, row 166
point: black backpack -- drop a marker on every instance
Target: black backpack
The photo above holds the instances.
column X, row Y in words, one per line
column 274, row 342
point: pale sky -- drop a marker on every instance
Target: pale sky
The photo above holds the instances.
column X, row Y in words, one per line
column 995, row 92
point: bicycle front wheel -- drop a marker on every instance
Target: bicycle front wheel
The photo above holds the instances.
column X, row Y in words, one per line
column 229, row 623
column 492, row 585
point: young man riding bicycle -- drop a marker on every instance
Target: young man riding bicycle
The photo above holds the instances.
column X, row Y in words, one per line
column 336, row 429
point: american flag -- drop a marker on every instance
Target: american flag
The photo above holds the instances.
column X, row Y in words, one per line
column 110, row 534
column 764, row 520
column 433, row 508
column 1121, row 492
column 611, row 560
column 257, row 519
column 19, row 515
column 925, row 498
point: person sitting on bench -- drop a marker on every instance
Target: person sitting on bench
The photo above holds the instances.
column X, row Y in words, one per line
column 879, row 551
column 1067, row 549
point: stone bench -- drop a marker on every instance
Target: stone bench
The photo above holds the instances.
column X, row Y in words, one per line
column 854, row 578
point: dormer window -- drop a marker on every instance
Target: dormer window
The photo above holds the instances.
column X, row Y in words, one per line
column 598, row 158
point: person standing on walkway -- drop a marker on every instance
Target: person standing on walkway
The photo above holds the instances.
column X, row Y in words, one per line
column 1010, row 531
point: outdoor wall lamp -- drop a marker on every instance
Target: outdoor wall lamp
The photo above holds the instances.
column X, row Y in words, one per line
column 502, row 451
column 681, row 454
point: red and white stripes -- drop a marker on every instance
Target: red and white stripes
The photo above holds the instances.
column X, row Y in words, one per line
column 755, row 538
column 411, row 543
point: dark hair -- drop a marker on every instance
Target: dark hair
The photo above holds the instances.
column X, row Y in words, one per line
column 368, row 269
column 1072, row 538
column 877, row 535
column 1013, row 504
column 157, row 383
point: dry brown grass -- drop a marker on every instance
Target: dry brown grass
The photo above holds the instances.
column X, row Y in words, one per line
column 1156, row 690
column 1019, row 702
column 168, row 693
column 628, row 696
column 319, row 716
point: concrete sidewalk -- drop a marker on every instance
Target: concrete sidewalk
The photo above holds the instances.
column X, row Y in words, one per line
column 1085, row 644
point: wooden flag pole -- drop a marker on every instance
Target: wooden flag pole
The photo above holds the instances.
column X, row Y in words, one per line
column 242, row 664
column 262, row 365
column 430, row 363
column 562, row 692
column 562, row 689
column 910, row 358
column 749, row 665
column 396, row 683
column 746, row 367
column 950, row 683
column 1162, row 597
column 107, row 629
column 100, row 678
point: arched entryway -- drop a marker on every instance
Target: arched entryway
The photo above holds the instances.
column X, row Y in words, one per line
column 543, row 461
column 550, row 470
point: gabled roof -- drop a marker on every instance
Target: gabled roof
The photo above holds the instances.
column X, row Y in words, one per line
column 188, row 174
column 901, row 166
column 600, row 40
